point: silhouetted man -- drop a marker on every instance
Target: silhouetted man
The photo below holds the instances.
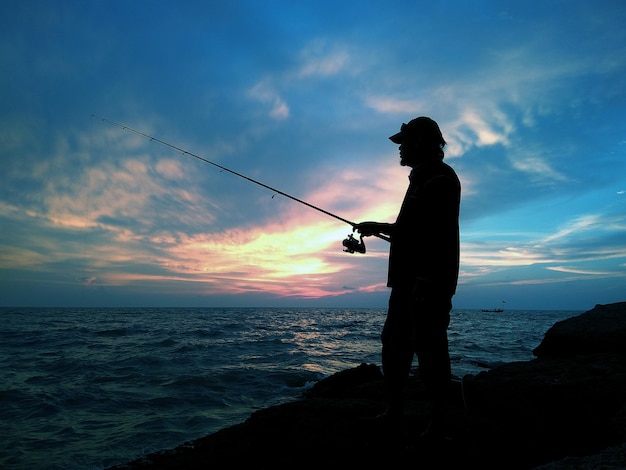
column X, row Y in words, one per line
column 423, row 269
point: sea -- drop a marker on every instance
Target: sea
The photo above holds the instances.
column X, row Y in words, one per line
column 88, row 388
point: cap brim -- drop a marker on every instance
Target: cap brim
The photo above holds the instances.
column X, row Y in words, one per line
column 396, row 138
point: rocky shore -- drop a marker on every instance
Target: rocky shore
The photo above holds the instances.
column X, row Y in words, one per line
column 564, row 409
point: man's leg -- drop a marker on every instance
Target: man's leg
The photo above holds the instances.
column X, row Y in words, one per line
column 432, row 317
column 397, row 348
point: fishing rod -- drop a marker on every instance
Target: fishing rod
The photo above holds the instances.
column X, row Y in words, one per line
column 351, row 244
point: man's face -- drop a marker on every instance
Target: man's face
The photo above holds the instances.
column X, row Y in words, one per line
column 411, row 152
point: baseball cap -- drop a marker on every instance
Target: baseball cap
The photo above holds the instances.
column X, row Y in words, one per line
column 423, row 127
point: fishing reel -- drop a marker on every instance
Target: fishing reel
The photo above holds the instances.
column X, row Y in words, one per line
column 353, row 245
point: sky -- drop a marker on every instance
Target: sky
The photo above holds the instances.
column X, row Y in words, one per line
column 302, row 96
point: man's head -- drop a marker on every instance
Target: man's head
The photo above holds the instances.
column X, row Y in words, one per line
column 419, row 139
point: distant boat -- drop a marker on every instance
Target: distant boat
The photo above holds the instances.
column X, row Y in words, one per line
column 497, row 310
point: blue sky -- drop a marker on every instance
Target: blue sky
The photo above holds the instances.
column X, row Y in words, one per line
column 303, row 96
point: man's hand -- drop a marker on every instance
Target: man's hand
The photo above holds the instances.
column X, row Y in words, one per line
column 367, row 229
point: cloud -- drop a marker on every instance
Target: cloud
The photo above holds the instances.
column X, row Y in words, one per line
column 319, row 59
column 476, row 127
column 579, row 224
column 390, row 105
column 537, row 167
column 265, row 93
column 495, row 130
column 88, row 281
column 565, row 269
column 590, row 246
column 170, row 169
column 499, row 254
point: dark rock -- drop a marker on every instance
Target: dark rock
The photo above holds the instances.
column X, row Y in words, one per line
column 345, row 381
column 560, row 410
column 600, row 330
column 553, row 407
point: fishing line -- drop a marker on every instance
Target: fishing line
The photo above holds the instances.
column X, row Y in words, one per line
column 350, row 243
